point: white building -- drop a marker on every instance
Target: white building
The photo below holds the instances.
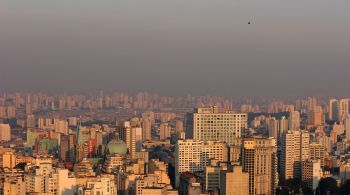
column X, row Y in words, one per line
column 164, row 131
column 295, row 149
column 98, row 186
column 209, row 124
column 283, row 126
column 192, row 155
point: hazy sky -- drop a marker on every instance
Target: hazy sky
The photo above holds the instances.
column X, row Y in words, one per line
column 176, row 46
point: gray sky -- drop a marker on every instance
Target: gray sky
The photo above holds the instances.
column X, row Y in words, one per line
column 176, row 46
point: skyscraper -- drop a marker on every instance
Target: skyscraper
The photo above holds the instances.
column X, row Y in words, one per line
column 333, row 109
column 128, row 135
column 343, row 109
column 210, row 124
column 179, row 126
column 79, row 147
column 192, row 155
column 212, row 175
column 317, row 152
column 30, row 121
column 272, row 125
column 146, row 129
column 5, row 132
column 259, row 159
column 2, row 112
column 311, row 173
column 138, row 138
column 283, row 126
column 294, row 120
column 164, row 130
column 311, row 103
column 61, row 126
column 64, row 148
column 295, row 149
column 347, row 126
column 314, row 117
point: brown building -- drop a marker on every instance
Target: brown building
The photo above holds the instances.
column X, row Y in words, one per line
column 234, row 181
column 259, row 159
column 314, row 118
column 190, row 184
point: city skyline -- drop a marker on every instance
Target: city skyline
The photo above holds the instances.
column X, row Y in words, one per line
column 181, row 97
column 149, row 144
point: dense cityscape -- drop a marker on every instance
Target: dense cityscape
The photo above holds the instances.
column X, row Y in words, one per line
column 146, row 143
column 174, row 97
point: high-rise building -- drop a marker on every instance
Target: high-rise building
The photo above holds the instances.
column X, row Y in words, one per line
column 333, row 109
column 192, row 155
column 72, row 121
column 295, row 149
column 5, row 132
column 146, row 128
column 67, row 148
column 64, row 148
column 344, row 171
column 18, row 100
column 61, row 126
column 138, row 138
column 234, row 181
column 164, row 130
column 179, row 127
column 212, row 175
column 343, row 109
column 8, row 159
column 317, row 152
column 209, row 124
column 65, row 182
column 294, row 120
column 2, row 112
column 311, row 103
column 11, row 112
column 235, row 151
column 30, row 121
column 14, row 186
column 283, row 126
column 272, row 126
column 190, row 184
column 314, row 117
column 28, row 108
column 259, row 159
column 35, row 180
column 99, row 146
column 69, row 103
column 347, row 126
column 79, row 146
column 128, row 135
column 311, row 173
